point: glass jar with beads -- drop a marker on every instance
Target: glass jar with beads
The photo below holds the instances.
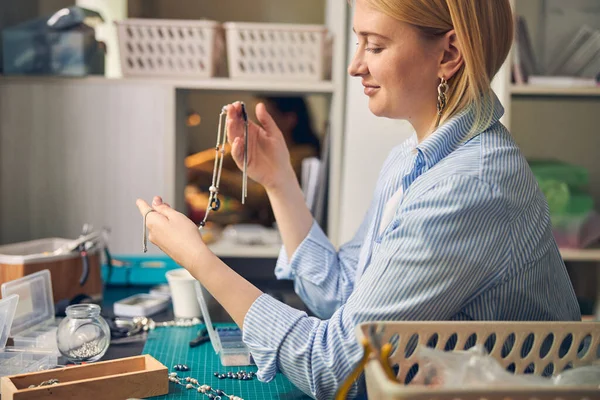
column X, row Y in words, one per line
column 83, row 336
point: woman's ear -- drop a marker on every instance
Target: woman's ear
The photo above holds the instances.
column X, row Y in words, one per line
column 452, row 58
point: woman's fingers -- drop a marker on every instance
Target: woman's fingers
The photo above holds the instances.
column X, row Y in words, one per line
column 142, row 206
column 235, row 122
column 157, row 200
column 162, row 211
column 237, row 150
column 265, row 119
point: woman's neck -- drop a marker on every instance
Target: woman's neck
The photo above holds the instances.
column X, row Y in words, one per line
column 424, row 124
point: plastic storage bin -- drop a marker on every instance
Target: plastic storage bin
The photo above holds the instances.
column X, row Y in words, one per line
column 278, row 51
column 34, row 326
column 565, row 345
column 169, row 48
column 16, row 361
column 33, row 48
column 226, row 341
column 70, row 277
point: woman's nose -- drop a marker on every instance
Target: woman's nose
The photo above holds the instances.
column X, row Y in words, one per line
column 357, row 66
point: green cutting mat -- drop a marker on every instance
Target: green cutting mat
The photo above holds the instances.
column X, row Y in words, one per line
column 170, row 347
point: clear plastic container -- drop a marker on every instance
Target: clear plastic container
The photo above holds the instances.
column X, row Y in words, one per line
column 14, row 360
column 226, row 341
column 34, row 325
column 83, row 335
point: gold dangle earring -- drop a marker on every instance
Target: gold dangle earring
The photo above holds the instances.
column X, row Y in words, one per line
column 441, row 100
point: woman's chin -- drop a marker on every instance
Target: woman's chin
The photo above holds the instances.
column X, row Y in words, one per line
column 376, row 108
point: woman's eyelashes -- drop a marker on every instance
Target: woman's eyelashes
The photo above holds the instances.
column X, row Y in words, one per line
column 373, row 49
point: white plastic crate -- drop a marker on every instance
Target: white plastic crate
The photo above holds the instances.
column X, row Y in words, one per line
column 536, row 347
column 169, row 48
column 278, row 51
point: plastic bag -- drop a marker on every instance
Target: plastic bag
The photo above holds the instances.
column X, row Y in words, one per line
column 475, row 368
column 580, row 376
column 471, row 368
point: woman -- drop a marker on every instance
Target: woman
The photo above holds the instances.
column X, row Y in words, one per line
column 457, row 230
column 292, row 116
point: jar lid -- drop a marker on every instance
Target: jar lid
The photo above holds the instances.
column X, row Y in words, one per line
column 35, row 304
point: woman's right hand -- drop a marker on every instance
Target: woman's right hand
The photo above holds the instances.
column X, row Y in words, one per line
column 268, row 156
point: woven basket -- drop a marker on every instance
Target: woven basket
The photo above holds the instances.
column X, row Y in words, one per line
column 278, row 51
column 169, row 48
column 538, row 347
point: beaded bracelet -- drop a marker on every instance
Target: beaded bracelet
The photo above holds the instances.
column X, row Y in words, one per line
column 192, row 383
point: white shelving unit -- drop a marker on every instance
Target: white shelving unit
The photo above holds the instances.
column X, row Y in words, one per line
column 581, row 255
column 88, row 147
column 226, row 249
column 213, row 84
column 535, row 95
column 526, row 90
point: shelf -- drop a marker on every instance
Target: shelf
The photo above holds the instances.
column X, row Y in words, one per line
column 589, row 255
column 224, row 249
column 216, row 84
column 254, row 85
column 555, row 91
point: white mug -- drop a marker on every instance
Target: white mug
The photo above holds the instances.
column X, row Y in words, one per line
column 183, row 293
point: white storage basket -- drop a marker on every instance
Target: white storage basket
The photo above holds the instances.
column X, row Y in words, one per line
column 278, row 51
column 537, row 347
column 169, row 48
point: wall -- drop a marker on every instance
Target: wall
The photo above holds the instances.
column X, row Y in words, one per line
column 111, row 10
column 85, row 158
column 302, row 12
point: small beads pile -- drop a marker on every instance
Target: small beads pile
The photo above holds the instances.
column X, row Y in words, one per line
column 240, row 375
column 181, row 367
column 192, row 383
column 87, row 350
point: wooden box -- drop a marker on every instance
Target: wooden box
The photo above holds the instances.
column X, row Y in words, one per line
column 133, row 377
column 20, row 259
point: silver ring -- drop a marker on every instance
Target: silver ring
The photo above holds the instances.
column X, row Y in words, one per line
column 148, row 212
column 144, row 236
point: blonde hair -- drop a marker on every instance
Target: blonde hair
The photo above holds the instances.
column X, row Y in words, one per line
column 484, row 29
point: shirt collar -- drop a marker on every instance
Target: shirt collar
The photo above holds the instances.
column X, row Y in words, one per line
column 455, row 132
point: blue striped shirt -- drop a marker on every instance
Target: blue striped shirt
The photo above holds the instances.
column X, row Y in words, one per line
column 470, row 240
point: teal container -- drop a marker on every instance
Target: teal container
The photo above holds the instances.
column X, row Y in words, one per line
column 137, row 271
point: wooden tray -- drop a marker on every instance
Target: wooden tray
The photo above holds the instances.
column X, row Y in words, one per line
column 137, row 377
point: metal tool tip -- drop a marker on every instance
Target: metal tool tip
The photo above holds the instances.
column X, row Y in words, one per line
column 244, row 113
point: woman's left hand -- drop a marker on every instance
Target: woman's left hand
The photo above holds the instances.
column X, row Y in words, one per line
column 173, row 233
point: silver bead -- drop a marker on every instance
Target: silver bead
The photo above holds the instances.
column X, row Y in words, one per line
column 212, row 189
column 189, row 386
